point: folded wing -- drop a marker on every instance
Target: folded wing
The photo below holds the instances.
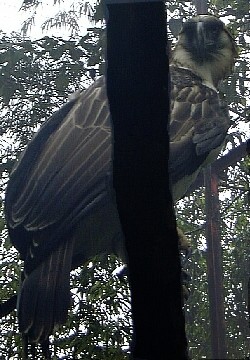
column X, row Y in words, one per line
column 198, row 127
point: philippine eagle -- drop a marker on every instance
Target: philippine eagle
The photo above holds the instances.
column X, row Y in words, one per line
column 60, row 205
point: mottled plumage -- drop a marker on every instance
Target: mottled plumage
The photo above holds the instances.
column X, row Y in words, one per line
column 60, row 203
column 198, row 126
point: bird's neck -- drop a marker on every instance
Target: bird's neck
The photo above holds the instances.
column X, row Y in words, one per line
column 205, row 71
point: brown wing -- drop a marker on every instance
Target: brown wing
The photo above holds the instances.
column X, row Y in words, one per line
column 63, row 174
column 198, row 126
column 60, row 208
column 66, row 170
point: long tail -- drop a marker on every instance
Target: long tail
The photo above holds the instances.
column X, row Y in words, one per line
column 45, row 295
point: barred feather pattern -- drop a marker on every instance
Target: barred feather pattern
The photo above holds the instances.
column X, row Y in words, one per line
column 60, row 203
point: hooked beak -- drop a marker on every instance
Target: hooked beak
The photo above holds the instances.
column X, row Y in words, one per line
column 201, row 43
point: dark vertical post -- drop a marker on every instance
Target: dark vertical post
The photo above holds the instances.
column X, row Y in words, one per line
column 214, row 265
column 137, row 84
column 248, row 147
column 201, row 6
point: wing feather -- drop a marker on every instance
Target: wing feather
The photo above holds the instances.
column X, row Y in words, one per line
column 72, row 171
column 73, row 168
column 198, row 127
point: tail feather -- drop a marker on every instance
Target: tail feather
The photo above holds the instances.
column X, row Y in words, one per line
column 62, row 296
column 43, row 322
column 45, row 295
column 26, row 302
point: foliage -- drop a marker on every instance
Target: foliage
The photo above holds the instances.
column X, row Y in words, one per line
column 99, row 323
column 36, row 78
column 234, row 204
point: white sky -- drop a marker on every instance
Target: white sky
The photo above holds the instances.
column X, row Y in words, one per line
column 11, row 18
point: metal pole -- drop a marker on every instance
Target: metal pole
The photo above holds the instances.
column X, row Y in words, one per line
column 201, row 6
column 214, row 265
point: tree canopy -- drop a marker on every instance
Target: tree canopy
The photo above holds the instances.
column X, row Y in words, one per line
column 36, row 78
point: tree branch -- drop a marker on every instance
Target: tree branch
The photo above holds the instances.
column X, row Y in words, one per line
column 8, row 306
column 230, row 159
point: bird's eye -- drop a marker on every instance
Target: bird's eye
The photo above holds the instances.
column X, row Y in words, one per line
column 215, row 32
column 214, row 29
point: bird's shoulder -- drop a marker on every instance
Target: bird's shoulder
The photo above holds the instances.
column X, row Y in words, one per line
column 192, row 103
column 186, row 85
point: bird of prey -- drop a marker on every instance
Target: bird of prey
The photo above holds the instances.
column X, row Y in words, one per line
column 60, row 203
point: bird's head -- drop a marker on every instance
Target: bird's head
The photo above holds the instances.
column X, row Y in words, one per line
column 206, row 47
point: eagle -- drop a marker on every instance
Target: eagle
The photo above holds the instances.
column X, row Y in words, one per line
column 60, row 203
